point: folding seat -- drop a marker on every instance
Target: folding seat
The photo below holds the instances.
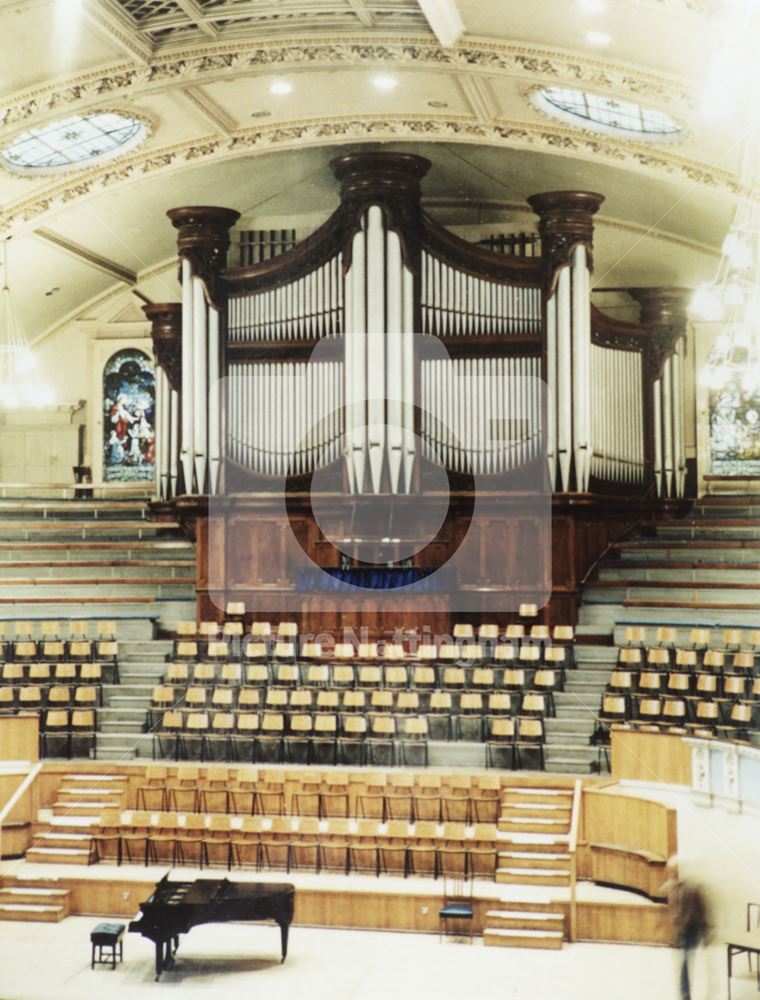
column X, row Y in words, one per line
column 65, row 673
column 685, row 660
column 186, row 631
column 286, row 675
column 529, row 656
column 614, row 709
column 734, row 688
column 334, row 795
column 485, row 799
column 370, row 799
column 381, row 740
column 558, row 658
column 649, row 684
column 204, row 673
column 186, row 649
column 659, row 658
column 39, row 673
column 79, row 650
column 255, row 653
column 13, row 673
column 399, row 797
column 514, row 632
column 699, row 638
column 408, row 703
column 285, row 652
column 269, row 745
column 324, row 741
column 733, row 638
column 529, row 742
column 249, row 699
column 673, row 715
column 196, row 698
column 563, row 634
column 135, row 832
column 7, row 701
column 743, row 664
column 426, row 652
column 393, row 652
column 351, row 747
column 222, row 699
column 423, row 677
column 232, row 632
column 24, row 647
column 106, row 646
column 422, row 849
column 381, row 701
column 754, row 692
column 472, row 654
column 91, row 673
column 231, row 674
column 276, row 699
column 396, row 677
column 368, row 676
column 706, row 685
column 52, row 650
column 166, row 736
column 334, row 846
column 463, row 631
column 621, row 682
column 439, row 715
column 59, row 696
column 300, row 700
column 86, row 696
column 311, row 651
column 514, row 679
column 738, row 724
column 678, row 685
column 428, row 794
column 453, row 678
column 706, row 718
column 489, row 633
column 353, row 701
column 317, row 675
column 448, row 654
column 327, row 701
column 256, row 675
column 218, row 651
column 193, row 736
column 649, row 713
column 469, row 722
column 151, row 793
column 714, row 661
column 243, row 740
column 752, row 642
column 499, row 703
column 456, row 798
column 344, row 675
column 393, row 847
column 56, row 736
column 208, row 630
column 177, row 674
column 545, row 683
column 363, row 847
column 533, row 704
column 634, row 635
column 83, row 732
column 666, row 637
column 183, row 789
column 298, row 738
column 528, row 610
column 213, row 790
column 413, row 742
column 190, row 840
column 29, row 698
column 287, row 631
column 106, row 837
column 630, row 658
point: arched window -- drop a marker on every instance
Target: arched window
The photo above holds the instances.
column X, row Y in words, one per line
column 129, row 397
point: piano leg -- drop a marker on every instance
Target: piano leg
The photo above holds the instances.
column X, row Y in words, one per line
column 284, row 939
column 159, row 959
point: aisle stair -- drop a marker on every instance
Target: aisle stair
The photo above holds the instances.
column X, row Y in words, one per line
column 33, row 900
column 63, row 835
column 535, row 830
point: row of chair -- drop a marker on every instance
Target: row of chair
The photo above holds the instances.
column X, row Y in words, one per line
column 285, row 844
column 45, row 673
column 68, row 733
column 680, row 715
column 53, row 696
column 528, row 653
column 535, row 700
column 509, row 678
column 699, row 638
column 714, row 660
column 54, row 630
column 383, row 795
column 648, row 683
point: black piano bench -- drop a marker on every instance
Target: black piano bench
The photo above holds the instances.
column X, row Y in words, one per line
column 108, row 938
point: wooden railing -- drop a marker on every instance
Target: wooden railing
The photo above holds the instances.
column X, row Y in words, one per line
column 572, row 849
column 27, row 785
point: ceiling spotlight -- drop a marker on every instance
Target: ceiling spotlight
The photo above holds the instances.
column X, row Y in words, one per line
column 281, row 87
column 597, row 38
column 260, row 113
column 385, row 82
column 438, row 104
column 593, row 6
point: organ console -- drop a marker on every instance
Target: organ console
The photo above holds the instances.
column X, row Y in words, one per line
column 382, row 347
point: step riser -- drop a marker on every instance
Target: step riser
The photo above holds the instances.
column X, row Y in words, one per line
column 545, row 943
column 62, row 858
column 34, row 916
column 503, row 879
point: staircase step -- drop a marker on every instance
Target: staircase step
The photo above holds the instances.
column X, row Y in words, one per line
column 58, row 856
column 533, row 860
column 533, row 876
column 510, row 824
column 502, row 937
column 547, row 920
column 33, row 912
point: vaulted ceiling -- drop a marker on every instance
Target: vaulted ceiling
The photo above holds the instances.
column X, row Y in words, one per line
column 199, row 72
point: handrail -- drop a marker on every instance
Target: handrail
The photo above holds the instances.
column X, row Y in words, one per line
column 22, row 789
column 573, row 848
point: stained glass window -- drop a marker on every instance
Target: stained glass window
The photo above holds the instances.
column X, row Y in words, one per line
column 72, row 141
column 606, row 114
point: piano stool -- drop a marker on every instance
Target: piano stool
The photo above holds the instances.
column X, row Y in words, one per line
column 107, row 937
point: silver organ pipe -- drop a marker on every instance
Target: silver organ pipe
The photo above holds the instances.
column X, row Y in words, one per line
column 395, row 368
column 667, row 427
column 307, row 308
column 454, row 303
column 481, row 415
column 581, row 339
column 657, row 403
column 174, row 445
column 678, row 414
column 188, row 377
column 564, row 388
column 617, row 415
column 356, row 329
column 551, row 397
column 200, row 378
column 376, row 329
column 214, row 402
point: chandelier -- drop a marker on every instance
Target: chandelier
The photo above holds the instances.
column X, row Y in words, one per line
column 19, row 383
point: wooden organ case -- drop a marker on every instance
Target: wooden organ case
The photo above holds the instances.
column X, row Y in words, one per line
column 373, row 429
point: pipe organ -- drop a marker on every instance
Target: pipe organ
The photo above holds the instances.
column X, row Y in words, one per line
column 383, row 348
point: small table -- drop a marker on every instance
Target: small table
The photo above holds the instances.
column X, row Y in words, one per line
column 742, row 949
column 108, row 938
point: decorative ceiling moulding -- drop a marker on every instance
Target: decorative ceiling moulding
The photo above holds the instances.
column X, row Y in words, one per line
column 206, row 63
column 326, row 132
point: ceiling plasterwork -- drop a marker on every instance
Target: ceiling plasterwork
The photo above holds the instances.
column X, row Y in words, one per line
column 381, row 129
column 217, row 62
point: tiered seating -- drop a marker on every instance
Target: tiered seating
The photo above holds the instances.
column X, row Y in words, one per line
column 269, row 697
column 404, row 824
column 58, row 669
column 706, row 685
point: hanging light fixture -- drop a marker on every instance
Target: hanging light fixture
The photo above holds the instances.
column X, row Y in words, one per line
column 19, row 384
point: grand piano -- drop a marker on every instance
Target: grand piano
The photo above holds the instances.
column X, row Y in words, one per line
column 175, row 907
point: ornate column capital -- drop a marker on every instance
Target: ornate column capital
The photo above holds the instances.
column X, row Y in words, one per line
column 566, row 218
column 665, row 311
column 166, row 333
column 204, row 239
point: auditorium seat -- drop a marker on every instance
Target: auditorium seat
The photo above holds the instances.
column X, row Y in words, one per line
column 635, row 635
column 439, row 715
column 469, row 721
column 674, row 715
column 706, row 717
column 151, row 792
column 193, row 736
column 243, row 740
column 255, row 653
column 413, row 742
column 218, row 739
column 166, row 736
column 56, row 737
column 500, row 739
column 649, row 713
column 529, row 741
column 256, row 675
column 737, row 724
column 297, row 744
column 351, row 744
column 380, row 741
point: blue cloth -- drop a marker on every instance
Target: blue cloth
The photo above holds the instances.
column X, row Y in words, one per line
column 414, row 579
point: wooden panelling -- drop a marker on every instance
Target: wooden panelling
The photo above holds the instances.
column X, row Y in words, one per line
column 629, row 869
column 628, row 822
column 661, row 757
column 647, row 923
column 19, row 737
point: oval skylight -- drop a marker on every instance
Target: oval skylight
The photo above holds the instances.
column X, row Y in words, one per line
column 74, row 141
column 606, row 114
